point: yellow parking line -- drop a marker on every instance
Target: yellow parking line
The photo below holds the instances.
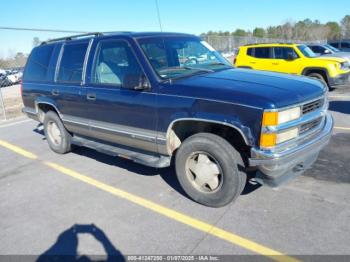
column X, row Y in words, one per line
column 18, row 150
column 342, row 128
column 170, row 213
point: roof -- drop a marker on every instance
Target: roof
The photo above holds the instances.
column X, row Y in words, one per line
column 122, row 33
column 272, row 44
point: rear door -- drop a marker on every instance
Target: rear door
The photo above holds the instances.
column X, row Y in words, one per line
column 285, row 60
column 260, row 58
column 68, row 91
column 118, row 113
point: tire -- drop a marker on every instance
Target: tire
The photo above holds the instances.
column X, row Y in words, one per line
column 61, row 145
column 319, row 77
column 219, row 191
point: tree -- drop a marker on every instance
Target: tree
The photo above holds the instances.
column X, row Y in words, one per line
column 239, row 32
column 345, row 26
column 259, row 32
column 36, row 41
column 334, row 31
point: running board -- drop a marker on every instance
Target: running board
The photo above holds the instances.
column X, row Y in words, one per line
column 124, row 152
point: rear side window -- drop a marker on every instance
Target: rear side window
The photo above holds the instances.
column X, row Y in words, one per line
column 250, row 51
column 262, row 52
column 284, row 52
column 38, row 63
column 72, row 62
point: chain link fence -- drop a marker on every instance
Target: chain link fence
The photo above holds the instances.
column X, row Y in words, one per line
column 11, row 71
column 11, row 65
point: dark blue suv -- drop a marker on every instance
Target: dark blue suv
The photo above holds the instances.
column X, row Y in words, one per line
column 157, row 97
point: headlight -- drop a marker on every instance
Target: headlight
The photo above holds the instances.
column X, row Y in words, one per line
column 344, row 66
column 273, row 139
column 276, row 118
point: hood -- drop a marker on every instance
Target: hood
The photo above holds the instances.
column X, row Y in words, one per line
column 345, row 55
column 252, row 88
column 332, row 58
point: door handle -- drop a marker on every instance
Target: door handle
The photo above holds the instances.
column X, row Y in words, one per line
column 91, row 97
column 275, row 63
column 253, row 62
column 55, row 92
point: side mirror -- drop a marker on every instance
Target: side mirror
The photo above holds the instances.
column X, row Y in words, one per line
column 327, row 51
column 136, row 82
column 290, row 57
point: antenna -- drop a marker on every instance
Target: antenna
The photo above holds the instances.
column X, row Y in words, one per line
column 158, row 14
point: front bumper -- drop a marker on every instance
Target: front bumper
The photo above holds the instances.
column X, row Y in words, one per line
column 277, row 168
column 339, row 81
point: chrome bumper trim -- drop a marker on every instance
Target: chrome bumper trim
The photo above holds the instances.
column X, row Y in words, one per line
column 274, row 165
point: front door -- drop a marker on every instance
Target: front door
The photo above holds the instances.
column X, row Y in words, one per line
column 285, row 60
column 119, row 113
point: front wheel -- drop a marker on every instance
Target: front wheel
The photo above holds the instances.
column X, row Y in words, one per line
column 210, row 170
column 318, row 77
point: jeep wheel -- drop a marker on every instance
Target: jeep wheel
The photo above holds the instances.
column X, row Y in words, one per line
column 210, row 170
column 56, row 134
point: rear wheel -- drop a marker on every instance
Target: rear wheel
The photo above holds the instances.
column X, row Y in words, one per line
column 210, row 170
column 56, row 134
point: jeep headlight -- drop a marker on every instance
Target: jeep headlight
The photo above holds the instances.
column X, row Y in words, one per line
column 275, row 118
column 344, row 66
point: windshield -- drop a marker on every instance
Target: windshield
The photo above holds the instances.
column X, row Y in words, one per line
column 176, row 57
column 306, row 51
column 332, row 48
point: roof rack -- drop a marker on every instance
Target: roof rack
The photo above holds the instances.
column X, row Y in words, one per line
column 71, row 37
column 272, row 43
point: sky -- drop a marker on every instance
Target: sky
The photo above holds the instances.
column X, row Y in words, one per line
column 189, row 16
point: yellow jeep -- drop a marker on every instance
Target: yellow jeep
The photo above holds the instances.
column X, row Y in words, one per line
column 297, row 59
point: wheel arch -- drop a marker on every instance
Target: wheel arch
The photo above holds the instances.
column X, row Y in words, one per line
column 319, row 70
column 44, row 105
column 178, row 130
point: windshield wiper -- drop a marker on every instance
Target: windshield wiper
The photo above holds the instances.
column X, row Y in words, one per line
column 199, row 69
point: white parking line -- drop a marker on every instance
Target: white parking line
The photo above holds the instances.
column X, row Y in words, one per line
column 15, row 123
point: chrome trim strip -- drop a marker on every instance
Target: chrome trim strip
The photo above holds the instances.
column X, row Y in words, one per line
column 58, row 63
column 118, row 129
column 295, row 123
column 87, row 54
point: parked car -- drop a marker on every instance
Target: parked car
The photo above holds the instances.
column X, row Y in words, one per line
column 129, row 95
column 328, row 50
column 295, row 59
column 343, row 45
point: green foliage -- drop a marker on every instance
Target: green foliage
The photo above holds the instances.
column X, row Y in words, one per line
column 305, row 30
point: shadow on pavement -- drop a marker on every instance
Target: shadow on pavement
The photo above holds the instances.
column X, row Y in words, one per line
column 340, row 106
column 66, row 246
column 333, row 161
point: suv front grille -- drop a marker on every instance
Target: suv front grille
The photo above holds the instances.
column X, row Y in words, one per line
column 312, row 106
column 307, row 127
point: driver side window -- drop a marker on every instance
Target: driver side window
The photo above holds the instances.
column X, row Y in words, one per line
column 114, row 62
